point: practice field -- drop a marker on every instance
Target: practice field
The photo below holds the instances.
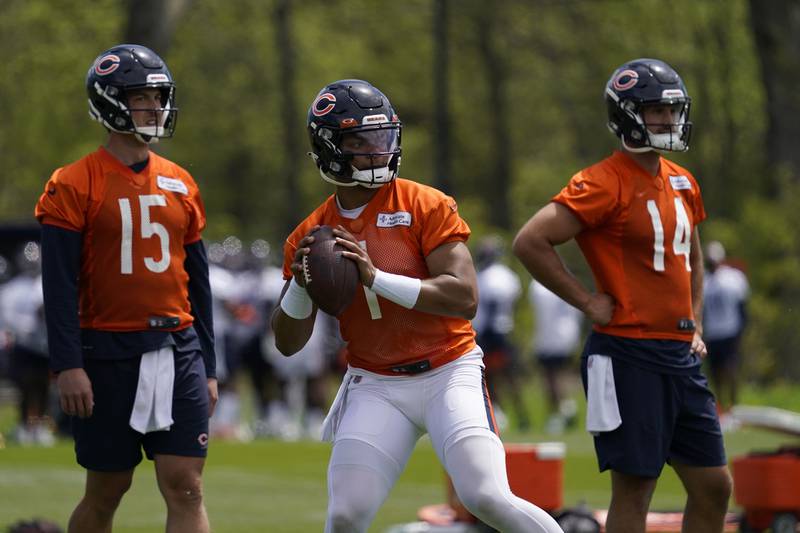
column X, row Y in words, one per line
column 271, row 486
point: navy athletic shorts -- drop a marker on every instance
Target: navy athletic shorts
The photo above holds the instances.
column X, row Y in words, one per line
column 105, row 442
column 723, row 352
column 666, row 418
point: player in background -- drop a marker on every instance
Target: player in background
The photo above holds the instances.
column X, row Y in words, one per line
column 725, row 293
column 499, row 289
column 22, row 316
column 414, row 366
column 634, row 217
column 555, row 340
column 127, row 299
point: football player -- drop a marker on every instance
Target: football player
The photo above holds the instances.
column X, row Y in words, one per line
column 634, row 217
column 725, row 293
column 414, row 366
column 127, row 298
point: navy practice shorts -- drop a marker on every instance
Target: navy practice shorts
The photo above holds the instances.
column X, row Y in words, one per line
column 668, row 418
column 106, row 443
column 723, row 353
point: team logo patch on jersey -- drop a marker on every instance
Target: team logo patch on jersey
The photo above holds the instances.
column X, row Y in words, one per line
column 323, row 105
column 172, row 184
column 680, row 183
column 388, row 220
column 106, row 65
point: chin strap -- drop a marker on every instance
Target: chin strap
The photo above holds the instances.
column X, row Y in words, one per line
column 637, row 150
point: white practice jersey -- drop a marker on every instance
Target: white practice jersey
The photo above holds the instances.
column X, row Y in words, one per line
column 498, row 290
column 724, row 291
column 21, row 312
column 558, row 324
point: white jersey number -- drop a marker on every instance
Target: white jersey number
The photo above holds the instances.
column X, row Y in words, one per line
column 372, row 298
column 149, row 229
column 681, row 243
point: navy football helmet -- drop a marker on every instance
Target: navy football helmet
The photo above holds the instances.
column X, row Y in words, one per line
column 124, row 68
column 351, row 118
column 643, row 82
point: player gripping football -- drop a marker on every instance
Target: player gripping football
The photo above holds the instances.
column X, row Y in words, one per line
column 414, row 366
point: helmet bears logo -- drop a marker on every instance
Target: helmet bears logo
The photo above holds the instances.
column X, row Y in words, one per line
column 626, row 79
column 326, row 97
column 106, row 65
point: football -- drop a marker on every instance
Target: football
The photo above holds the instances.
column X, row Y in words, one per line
column 331, row 279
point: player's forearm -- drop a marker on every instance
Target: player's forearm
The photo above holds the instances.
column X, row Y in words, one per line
column 696, row 261
column 61, row 256
column 291, row 334
column 196, row 266
column 448, row 295
column 540, row 258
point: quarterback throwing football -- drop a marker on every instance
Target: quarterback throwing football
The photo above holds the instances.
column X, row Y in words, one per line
column 414, row 366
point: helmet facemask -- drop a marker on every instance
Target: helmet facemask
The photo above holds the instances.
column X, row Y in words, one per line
column 116, row 115
column 368, row 155
column 630, row 125
column 166, row 117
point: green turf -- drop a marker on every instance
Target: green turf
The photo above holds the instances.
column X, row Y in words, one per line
column 270, row 486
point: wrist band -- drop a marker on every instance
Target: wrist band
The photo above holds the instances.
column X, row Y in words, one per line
column 296, row 303
column 401, row 290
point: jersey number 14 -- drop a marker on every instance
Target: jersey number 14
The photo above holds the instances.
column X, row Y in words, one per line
column 681, row 243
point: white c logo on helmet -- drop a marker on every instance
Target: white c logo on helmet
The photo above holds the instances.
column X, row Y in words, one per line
column 315, row 107
column 106, row 65
column 625, row 80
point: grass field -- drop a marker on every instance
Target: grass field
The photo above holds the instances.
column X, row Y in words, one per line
column 272, row 486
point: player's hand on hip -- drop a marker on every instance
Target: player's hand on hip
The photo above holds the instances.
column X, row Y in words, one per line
column 698, row 345
column 75, row 392
column 354, row 251
column 600, row 308
column 213, row 396
column 302, row 250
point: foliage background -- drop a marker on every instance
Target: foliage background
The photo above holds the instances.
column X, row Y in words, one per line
column 523, row 102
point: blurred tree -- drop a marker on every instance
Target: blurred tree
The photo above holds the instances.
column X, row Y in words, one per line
column 497, row 179
column 152, row 22
column 289, row 112
column 776, row 28
column 441, row 90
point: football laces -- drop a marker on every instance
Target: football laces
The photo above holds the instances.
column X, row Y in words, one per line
column 306, row 272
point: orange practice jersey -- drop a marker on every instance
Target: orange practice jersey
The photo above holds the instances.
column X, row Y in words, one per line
column 134, row 229
column 636, row 237
column 400, row 226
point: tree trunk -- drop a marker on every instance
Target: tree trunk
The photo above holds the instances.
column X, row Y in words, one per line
column 441, row 113
column 289, row 115
column 776, row 29
column 152, row 22
column 498, row 178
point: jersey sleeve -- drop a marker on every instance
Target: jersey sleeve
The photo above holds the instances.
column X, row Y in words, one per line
column 590, row 198
column 197, row 218
column 442, row 224
column 64, row 202
column 698, row 208
column 289, row 249
column 290, row 246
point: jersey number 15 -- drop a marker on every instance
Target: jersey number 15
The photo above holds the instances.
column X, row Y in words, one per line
column 149, row 229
